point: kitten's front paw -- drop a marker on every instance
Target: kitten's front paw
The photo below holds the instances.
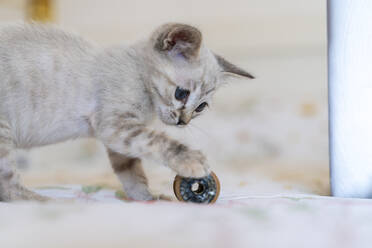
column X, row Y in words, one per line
column 193, row 164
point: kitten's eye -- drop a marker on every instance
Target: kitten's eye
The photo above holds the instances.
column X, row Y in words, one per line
column 201, row 107
column 181, row 94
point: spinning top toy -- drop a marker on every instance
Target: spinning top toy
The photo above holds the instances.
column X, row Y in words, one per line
column 197, row 190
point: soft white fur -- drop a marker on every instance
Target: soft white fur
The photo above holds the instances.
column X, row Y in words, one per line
column 56, row 86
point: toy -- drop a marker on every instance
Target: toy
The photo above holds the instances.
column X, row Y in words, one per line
column 197, row 190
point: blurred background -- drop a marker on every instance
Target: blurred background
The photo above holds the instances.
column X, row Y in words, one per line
column 262, row 136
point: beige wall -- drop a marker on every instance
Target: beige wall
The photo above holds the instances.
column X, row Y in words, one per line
column 264, row 25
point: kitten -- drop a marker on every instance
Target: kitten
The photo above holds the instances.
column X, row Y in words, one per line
column 56, row 86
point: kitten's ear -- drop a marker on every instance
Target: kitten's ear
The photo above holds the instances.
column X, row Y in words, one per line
column 231, row 69
column 180, row 39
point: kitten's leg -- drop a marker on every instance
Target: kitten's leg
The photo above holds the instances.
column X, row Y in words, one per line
column 135, row 140
column 133, row 178
column 10, row 187
column 131, row 175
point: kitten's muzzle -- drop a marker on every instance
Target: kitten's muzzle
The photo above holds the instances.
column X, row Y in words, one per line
column 181, row 123
column 183, row 120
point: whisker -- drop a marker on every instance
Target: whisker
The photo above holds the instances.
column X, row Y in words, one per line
column 189, row 130
column 209, row 136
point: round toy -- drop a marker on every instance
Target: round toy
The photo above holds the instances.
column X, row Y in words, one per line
column 197, row 190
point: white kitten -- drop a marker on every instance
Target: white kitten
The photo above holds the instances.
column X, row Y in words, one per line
column 55, row 86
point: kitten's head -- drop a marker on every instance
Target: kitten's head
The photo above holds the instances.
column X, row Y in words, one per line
column 185, row 74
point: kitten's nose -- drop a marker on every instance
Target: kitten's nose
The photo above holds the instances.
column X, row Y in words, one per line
column 181, row 122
